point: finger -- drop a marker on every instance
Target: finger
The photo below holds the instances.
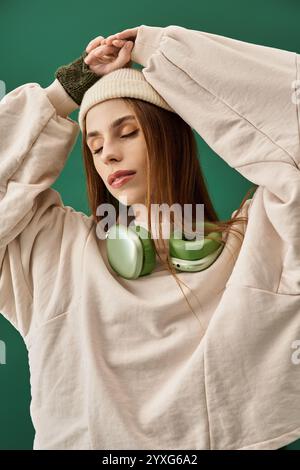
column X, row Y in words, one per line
column 127, row 33
column 124, row 54
column 103, row 50
column 110, row 39
column 95, row 42
column 99, row 53
column 119, row 42
column 114, row 42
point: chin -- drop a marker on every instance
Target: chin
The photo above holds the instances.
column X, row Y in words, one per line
column 128, row 199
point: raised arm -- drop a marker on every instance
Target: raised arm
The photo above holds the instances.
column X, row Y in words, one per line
column 243, row 99
column 228, row 90
column 35, row 230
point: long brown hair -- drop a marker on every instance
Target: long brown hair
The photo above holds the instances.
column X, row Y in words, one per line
column 174, row 174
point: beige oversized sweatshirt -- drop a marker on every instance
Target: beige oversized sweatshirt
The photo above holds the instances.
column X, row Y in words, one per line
column 124, row 364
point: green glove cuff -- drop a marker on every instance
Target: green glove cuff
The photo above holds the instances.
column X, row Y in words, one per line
column 76, row 78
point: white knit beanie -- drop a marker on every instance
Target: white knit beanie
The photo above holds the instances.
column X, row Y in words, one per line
column 123, row 82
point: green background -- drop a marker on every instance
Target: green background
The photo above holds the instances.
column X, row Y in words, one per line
column 37, row 37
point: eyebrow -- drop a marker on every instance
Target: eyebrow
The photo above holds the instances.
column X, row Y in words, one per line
column 113, row 125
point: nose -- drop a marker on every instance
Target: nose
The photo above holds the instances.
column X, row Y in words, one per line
column 110, row 152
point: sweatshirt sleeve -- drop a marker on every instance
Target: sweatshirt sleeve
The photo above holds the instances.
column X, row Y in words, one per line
column 34, row 145
column 242, row 98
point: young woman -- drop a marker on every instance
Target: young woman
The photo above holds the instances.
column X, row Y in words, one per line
column 122, row 363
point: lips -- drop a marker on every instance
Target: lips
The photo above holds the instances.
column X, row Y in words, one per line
column 119, row 174
column 118, row 182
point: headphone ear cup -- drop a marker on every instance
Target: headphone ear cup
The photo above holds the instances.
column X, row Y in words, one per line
column 149, row 258
column 193, row 250
column 130, row 251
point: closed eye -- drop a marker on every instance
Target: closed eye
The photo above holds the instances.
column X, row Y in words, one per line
column 122, row 136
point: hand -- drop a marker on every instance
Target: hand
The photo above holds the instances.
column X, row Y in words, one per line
column 127, row 34
column 103, row 58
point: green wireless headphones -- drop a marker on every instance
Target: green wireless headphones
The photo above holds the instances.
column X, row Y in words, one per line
column 131, row 255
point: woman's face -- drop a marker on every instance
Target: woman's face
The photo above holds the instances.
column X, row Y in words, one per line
column 113, row 149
